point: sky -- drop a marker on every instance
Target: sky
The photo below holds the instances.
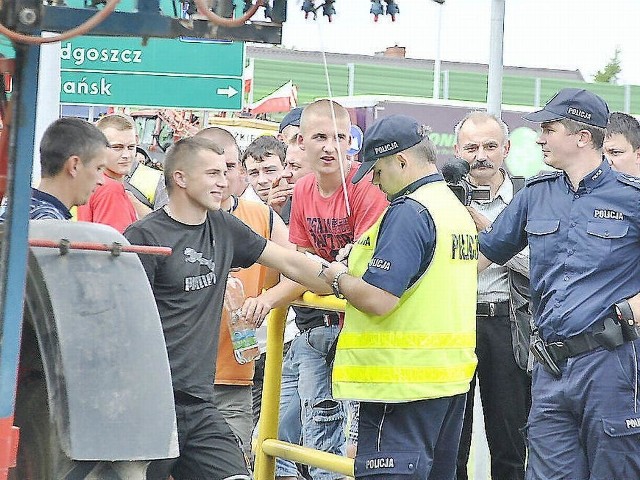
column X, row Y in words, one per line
column 566, row 34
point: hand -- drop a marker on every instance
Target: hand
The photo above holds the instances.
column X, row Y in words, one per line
column 256, row 309
column 332, row 270
column 480, row 220
column 280, row 191
column 343, row 253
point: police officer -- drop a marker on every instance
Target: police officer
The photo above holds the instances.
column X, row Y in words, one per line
column 502, row 313
column 406, row 350
column 582, row 225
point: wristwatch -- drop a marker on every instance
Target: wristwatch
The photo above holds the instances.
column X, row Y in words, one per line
column 335, row 286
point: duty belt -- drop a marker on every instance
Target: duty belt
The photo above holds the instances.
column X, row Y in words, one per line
column 609, row 333
column 492, row 309
column 572, row 346
column 605, row 333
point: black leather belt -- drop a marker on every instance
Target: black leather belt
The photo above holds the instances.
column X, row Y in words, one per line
column 326, row 320
column 585, row 342
column 492, row 309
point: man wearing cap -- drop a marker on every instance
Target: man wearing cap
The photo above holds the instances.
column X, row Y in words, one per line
column 327, row 213
column 406, row 350
column 582, row 225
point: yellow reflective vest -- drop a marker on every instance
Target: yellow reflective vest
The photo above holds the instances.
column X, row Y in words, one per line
column 424, row 347
column 144, row 181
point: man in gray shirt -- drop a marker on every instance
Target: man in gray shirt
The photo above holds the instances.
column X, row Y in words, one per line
column 502, row 314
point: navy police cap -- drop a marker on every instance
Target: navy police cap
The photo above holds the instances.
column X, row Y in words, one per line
column 388, row 136
column 574, row 104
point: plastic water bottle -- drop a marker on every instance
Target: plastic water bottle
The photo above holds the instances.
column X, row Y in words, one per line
column 242, row 331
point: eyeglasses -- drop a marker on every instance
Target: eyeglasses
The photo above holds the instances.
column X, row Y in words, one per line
column 118, row 147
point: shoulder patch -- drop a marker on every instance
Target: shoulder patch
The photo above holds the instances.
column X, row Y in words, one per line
column 629, row 180
column 542, row 177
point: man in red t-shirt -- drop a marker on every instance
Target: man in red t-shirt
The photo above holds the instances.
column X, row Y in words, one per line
column 110, row 204
column 327, row 213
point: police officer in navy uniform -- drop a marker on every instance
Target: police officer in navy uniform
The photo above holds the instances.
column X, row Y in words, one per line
column 582, row 225
column 407, row 347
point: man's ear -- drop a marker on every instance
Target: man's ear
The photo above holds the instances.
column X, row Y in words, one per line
column 72, row 165
column 300, row 141
column 402, row 161
column 179, row 179
column 507, row 146
column 584, row 138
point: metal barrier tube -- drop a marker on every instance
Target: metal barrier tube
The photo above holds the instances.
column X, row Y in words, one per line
column 268, row 446
column 309, row 456
column 265, row 465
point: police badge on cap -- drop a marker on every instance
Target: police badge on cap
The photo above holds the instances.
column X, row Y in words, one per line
column 387, row 136
column 574, row 104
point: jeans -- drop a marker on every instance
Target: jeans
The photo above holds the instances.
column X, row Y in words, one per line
column 308, row 412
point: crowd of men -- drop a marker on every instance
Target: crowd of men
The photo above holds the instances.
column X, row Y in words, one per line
column 547, row 328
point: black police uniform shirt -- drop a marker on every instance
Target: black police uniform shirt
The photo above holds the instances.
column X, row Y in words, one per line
column 189, row 287
column 406, row 242
column 584, row 246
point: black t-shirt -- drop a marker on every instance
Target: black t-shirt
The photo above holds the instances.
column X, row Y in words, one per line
column 189, row 287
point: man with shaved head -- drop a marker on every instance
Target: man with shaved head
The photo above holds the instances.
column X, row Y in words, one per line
column 189, row 287
column 327, row 213
column 233, row 381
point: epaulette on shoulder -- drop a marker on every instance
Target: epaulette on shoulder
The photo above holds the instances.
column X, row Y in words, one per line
column 542, row 177
column 400, row 200
column 629, row 180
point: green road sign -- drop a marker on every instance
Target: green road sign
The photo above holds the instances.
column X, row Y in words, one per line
column 160, row 73
column 145, row 90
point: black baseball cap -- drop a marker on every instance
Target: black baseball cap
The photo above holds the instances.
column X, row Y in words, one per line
column 389, row 135
column 291, row 118
column 574, row 104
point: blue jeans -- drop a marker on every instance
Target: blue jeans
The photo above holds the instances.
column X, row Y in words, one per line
column 308, row 412
column 586, row 424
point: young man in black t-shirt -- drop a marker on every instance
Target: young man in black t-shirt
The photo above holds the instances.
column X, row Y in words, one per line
column 189, row 288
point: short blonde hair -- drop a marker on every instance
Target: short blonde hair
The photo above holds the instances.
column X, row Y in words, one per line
column 322, row 108
column 117, row 121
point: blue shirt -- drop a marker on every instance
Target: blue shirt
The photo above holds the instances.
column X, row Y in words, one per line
column 42, row 206
column 584, row 246
column 406, row 242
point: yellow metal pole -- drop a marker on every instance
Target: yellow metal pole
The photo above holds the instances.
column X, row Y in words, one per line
column 265, row 465
column 325, row 302
column 310, row 456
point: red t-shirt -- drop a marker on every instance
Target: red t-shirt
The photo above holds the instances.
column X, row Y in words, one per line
column 322, row 223
column 110, row 205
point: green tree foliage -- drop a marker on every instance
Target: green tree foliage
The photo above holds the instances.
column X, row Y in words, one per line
column 609, row 74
